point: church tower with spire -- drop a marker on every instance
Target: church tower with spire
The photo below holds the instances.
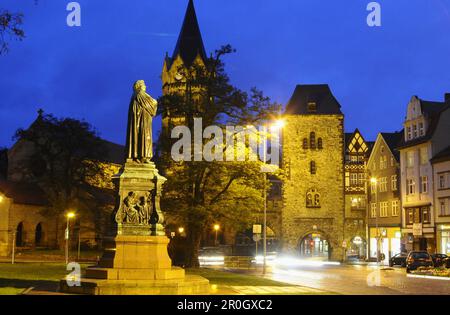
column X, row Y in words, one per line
column 189, row 53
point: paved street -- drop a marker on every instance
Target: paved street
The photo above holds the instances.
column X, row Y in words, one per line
column 358, row 279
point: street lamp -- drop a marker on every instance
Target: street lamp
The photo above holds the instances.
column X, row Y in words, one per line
column 181, row 230
column 216, row 229
column 374, row 182
column 275, row 126
column 69, row 215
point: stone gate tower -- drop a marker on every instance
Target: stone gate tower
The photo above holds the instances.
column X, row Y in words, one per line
column 313, row 192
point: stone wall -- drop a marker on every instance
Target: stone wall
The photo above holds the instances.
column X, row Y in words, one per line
column 297, row 219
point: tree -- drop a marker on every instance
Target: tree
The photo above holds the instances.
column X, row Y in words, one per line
column 65, row 162
column 10, row 28
column 201, row 193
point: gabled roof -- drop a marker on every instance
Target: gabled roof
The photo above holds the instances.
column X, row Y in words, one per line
column 431, row 110
column 392, row 139
column 190, row 42
column 348, row 136
column 320, row 94
column 23, row 193
column 442, row 156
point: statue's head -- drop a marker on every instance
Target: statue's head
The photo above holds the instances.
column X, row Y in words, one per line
column 139, row 86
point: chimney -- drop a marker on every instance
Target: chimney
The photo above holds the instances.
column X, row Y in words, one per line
column 447, row 98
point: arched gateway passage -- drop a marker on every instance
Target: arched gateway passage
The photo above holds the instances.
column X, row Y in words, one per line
column 315, row 245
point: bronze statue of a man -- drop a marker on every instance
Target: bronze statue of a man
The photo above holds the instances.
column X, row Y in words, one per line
column 139, row 130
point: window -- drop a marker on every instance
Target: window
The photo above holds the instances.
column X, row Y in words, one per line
column 383, row 209
column 383, row 184
column 373, row 187
column 426, row 215
column 411, row 186
column 395, row 208
column 312, row 199
column 410, row 159
column 361, row 179
column 392, row 161
column 305, row 143
column 383, row 162
column 353, row 158
column 424, row 184
column 423, row 156
column 394, row 182
column 312, row 107
column 353, row 179
column 443, row 210
column 313, row 167
column 421, row 129
column 408, row 133
column 319, row 144
column 442, row 184
column 409, row 216
column 312, row 140
column 358, row 203
column 415, row 131
column 373, row 210
column 347, row 179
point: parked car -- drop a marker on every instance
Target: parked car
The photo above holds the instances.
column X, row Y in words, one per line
column 438, row 259
column 399, row 259
column 418, row 259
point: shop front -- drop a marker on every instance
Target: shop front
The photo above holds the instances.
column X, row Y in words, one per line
column 443, row 239
column 389, row 242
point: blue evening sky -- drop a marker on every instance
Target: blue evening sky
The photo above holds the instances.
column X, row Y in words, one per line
column 88, row 72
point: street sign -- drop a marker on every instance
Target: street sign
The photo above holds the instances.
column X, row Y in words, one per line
column 417, row 229
column 257, row 228
column 256, row 237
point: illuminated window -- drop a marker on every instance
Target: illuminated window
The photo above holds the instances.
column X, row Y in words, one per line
column 383, row 209
column 383, row 184
column 373, row 210
column 395, row 208
column 426, row 215
column 394, row 182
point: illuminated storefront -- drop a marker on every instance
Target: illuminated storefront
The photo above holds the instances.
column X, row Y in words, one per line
column 443, row 238
column 389, row 244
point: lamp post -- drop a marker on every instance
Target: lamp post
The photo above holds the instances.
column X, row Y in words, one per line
column 69, row 216
column 277, row 125
column 374, row 182
column 216, row 229
column 181, row 230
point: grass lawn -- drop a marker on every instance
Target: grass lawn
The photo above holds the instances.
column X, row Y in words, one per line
column 46, row 276
column 229, row 278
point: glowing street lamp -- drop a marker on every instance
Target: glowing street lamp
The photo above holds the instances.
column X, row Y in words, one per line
column 216, row 229
column 1, row 198
column 69, row 215
column 181, row 230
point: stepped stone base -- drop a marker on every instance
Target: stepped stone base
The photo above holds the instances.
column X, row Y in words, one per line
column 137, row 265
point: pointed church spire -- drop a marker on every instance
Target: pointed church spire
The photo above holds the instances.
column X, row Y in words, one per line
column 190, row 42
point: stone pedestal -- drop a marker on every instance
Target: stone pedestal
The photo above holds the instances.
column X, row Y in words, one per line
column 135, row 260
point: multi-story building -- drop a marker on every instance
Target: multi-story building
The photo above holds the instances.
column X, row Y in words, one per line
column 313, row 200
column 441, row 191
column 384, row 204
column 357, row 151
column 426, row 131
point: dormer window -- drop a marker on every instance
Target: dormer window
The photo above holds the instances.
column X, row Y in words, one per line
column 312, row 107
column 408, row 133
column 415, row 131
column 421, row 129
